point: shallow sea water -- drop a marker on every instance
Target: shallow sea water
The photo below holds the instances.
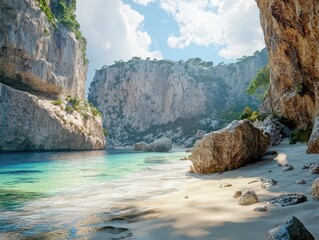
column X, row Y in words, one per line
column 82, row 195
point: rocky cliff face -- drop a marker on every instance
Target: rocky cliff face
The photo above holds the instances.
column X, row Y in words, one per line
column 142, row 100
column 41, row 61
column 37, row 56
column 291, row 34
column 291, row 30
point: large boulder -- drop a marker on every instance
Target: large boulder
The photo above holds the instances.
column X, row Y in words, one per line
column 161, row 145
column 236, row 145
column 276, row 130
column 290, row 229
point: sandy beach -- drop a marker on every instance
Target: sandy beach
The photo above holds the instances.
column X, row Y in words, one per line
column 203, row 210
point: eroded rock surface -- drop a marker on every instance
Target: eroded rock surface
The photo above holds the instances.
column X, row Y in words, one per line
column 41, row 62
column 236, row 145
column 36, row 56
column 287, row 199
column 276, row 130
column 291, row 35
column 28, row 122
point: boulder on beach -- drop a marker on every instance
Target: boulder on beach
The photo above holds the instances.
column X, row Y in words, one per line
column 160, row 145
column 248, row 197
column 232, row 147
column 139, row 146
column 290, row 229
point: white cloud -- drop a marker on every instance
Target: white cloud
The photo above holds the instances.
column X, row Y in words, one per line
column 231, row 24
column 143, row 2
column 114, row 32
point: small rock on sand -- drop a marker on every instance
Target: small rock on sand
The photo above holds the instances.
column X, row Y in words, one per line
column 261, row 209
column 315, row 189
column 248, row 197
column 287, row 168
column 237, row 194
column 224, row 185
column 253, row 181
column 301, row 181
column 268, row 182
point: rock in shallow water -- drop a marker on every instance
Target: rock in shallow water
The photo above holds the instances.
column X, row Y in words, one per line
column 236, row 145
column 290, row 229
column 248, row 197
column 287, row 200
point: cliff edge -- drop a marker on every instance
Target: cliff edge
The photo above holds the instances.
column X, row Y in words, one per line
column 42, row 60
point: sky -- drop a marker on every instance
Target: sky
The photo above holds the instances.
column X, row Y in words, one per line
column 214, row 30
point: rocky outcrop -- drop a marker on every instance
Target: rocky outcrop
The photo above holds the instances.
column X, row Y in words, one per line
column 28, row 122
column 291, row 35
column 143, row 100
column 236, row 145
column 35, row 55
column 290, row 229
column 42, row 61
column 160, row 145
column 276, row 130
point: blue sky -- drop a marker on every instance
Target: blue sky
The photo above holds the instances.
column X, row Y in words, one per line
column 214, row 30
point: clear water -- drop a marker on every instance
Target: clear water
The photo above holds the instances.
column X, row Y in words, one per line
column 52, row 193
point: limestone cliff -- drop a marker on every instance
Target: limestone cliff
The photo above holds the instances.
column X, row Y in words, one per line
column 142, row 100
column 41, row 61
column 291, row 32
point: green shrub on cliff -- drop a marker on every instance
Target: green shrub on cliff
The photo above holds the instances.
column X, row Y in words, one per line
column 299, row 136
column 260, row 84
column 63, row 11
column 248, row 113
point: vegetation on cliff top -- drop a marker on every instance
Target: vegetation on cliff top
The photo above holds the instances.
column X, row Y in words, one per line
column 63, row 11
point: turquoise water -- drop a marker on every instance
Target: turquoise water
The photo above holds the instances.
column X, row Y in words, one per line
column 49, row 191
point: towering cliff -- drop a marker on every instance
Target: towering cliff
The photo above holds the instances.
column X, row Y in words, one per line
column 147, row 99
column 42, row 59
column 291, row 30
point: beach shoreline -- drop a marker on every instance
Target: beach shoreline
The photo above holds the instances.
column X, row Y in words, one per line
column 203, row 210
